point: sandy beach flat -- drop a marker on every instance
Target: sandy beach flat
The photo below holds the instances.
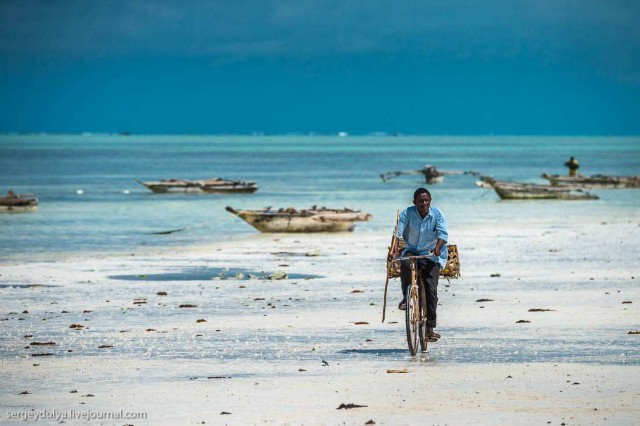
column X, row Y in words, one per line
column 536, row 331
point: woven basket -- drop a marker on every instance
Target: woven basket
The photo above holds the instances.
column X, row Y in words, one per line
column 452, row 270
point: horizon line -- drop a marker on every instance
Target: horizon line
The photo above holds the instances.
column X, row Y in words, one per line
column 338, row 134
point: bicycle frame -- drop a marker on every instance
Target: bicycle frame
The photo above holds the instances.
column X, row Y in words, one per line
column 416, row 307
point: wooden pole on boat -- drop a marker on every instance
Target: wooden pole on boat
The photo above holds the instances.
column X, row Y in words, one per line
column 394, row 241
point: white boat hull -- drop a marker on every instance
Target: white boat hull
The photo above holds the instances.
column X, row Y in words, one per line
column 329, row 221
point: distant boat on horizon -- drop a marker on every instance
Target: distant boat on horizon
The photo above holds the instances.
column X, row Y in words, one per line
column 594, row 181
column 507, row 190
column 13, row 202
column 207, row 186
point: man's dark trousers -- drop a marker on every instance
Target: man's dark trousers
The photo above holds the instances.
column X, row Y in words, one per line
column 429, row 273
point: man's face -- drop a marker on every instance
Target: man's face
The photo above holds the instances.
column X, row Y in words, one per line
column 422, row 202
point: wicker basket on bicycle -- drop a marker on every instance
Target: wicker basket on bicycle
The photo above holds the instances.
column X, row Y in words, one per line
column 452, row 270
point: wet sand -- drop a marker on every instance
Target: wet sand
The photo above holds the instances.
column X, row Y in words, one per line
column 535, row 331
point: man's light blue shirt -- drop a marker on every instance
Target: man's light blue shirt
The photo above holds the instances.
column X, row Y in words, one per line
column 422, row 234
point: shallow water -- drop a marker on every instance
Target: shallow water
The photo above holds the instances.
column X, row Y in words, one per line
column 114, row 213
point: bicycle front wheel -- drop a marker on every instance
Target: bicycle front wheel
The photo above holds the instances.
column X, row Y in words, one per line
column 412, row 314
column 422, row 325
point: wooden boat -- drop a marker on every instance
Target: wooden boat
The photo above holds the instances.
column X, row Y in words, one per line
column 594, row 181
column 530, row 191
column 431, row 174
column 206, row 186
column 18, row 203
column 311, row 220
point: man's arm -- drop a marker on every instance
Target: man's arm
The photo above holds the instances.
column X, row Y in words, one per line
column 442, row 233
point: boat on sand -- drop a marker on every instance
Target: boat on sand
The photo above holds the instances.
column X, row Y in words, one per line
column 206, row 186
column 507, row 190
column 310, row 220
column 594, row 181
column 18, row 203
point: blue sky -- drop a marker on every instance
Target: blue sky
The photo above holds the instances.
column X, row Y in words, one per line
column 277, row 66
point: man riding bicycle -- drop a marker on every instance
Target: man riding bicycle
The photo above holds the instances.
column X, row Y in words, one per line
column 424, row 230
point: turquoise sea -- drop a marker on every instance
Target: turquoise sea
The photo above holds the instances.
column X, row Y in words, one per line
column 115, row 214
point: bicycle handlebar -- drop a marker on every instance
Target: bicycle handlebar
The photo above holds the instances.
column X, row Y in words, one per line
column 425, row 256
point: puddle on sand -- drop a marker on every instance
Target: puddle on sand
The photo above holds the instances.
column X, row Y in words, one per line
column 200, row 274
column 25, row 285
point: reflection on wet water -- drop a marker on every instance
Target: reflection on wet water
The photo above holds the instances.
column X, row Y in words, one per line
column 199, row 274
column 300, row 344
column 25, row 285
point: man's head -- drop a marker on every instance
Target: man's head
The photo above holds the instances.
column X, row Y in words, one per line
column 422, row 201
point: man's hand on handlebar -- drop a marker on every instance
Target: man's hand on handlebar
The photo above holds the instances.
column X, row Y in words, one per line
column 393, row 252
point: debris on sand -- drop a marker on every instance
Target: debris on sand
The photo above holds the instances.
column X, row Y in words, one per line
column 634, row 332
column 186, row 305
column 626, row 302
column 344, row 406
column 43, row 354
column 361, row 323
column 522, row 321
column 161, row 293
column 171, row 231
column 495, row 275
column 76, row 326
column 541, row 310
column 278, row 275
column 25, row 393
column 484, row 300
column 42, row 343
column 370, row 422
column 357, row 291
column 105, row 346
column 404, row 370
column 312, row 253
column 201, row 320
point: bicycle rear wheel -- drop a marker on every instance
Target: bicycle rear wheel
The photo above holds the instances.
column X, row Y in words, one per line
column 411, row 314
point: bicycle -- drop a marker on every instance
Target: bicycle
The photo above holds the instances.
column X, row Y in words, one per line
column 416, row 306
